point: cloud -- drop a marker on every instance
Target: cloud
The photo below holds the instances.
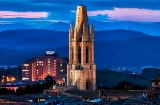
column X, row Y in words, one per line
column 12, row 14
column 54, row 21
column 129, row 14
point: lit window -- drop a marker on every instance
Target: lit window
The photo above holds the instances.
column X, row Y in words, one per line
column 25, row 64
column 25, row 78
column 25, row 70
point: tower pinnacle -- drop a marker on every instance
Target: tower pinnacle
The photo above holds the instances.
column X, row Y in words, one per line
column 81, row 21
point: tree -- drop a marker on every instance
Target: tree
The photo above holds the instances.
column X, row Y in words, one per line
column 49, row 81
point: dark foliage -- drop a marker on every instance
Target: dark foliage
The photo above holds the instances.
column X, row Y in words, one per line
column 109, row 79
column 49, row 81
column 4, row 91
column 124, row 85
column 30, row 88
column 150, row 73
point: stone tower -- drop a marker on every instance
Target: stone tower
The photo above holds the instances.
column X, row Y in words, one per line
column 81, row 69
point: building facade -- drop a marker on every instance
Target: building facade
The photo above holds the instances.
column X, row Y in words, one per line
column 40, row 67
column 81, row 69
column 155, row 89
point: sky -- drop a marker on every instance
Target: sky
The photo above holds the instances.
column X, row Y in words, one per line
column 40, row 13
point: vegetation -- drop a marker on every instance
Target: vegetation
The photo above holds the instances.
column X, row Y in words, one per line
column 124, row 85
column 4, row 91
column 108, row 79
column 30, row 88
column 150, row 73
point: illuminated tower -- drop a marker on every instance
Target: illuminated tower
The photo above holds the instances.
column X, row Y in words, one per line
column 81, row 69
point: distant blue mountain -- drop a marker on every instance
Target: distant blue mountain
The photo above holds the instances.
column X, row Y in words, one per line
column 59, row 26
column 15, row 26
column 148, row 28
column 112, row 47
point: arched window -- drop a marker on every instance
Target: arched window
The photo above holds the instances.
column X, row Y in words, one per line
column 87, row 55
column 72, row 55
column 88, row 84
column 79, row 55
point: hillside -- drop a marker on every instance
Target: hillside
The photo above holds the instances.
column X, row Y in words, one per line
column 148, row 28
column 113, row 48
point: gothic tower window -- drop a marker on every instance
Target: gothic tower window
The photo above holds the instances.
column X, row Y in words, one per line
column 72, row 55
column 80, row 39
column 87, row 55
column 79, row 55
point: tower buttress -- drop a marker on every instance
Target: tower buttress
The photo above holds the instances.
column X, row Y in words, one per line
column 92, row 43
column 70, row 44
column 70, row 32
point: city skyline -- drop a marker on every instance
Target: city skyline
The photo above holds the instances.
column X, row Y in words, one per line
column 111, row 49
column 40, row 13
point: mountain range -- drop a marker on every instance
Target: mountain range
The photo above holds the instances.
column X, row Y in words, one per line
column 147, row 28
column 15, row 26
column 113, row 48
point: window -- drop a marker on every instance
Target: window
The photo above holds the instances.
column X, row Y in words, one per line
column 80, row 39
column 87, row 55
column 72, row 55
column 79, row 55
column 156, row 83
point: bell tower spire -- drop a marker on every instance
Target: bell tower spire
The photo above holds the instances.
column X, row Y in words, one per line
column 81, row 69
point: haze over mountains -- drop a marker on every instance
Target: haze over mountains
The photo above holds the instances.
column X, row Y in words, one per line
column 113, row 48
column 147, row 28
